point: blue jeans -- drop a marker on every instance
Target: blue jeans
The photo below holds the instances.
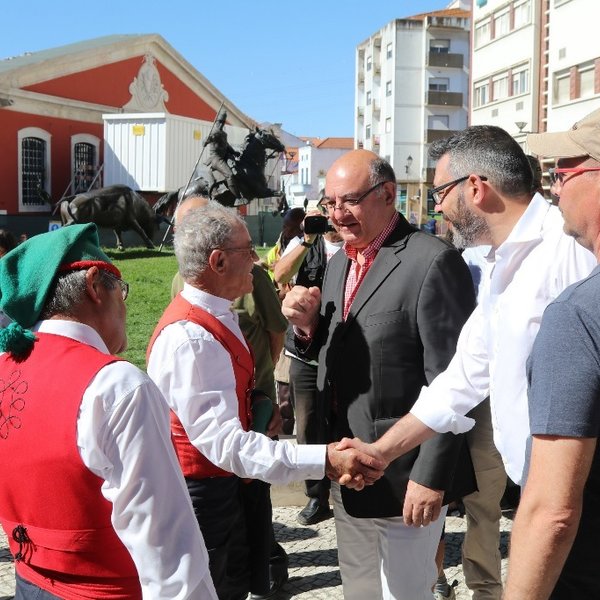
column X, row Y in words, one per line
column 26, row 590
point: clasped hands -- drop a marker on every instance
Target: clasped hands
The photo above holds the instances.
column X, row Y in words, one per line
column 364, row 466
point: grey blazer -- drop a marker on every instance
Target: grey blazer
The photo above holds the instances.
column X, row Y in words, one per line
column 400, row 333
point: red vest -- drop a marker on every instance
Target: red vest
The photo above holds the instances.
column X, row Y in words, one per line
column 193, row 463
column 48, row 498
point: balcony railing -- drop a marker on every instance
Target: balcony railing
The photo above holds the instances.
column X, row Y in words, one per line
column 440, row 59
column 438, row 134
column 445, row 98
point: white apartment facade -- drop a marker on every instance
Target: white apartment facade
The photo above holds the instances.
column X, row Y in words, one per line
column 535, row 64
column 411, row 88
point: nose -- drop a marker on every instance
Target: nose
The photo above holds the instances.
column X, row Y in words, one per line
column 438, row 208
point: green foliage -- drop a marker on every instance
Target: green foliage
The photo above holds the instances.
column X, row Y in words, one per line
column 149, row 274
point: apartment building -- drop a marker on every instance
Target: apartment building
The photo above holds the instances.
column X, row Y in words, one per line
column 411, row 88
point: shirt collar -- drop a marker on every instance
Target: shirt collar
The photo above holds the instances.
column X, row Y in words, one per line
column 213, row 304
column 73, row 329
column 373, row 248
column 529, row 227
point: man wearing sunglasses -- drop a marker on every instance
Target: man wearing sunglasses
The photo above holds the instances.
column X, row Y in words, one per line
column 555, row 536
column 483, row 187
column 386, row 323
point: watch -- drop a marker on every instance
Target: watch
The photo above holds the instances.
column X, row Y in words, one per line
column 306, row 244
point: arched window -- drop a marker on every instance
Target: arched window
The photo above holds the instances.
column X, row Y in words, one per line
column 34, row 169
column 84, row 160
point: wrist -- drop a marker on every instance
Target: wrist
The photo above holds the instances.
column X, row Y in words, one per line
column 306, row 244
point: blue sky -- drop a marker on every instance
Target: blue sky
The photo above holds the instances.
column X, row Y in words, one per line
column 287, row 62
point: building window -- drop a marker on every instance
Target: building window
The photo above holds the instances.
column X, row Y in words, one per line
column 501, row 24
column 388, row 125
column 34, row 169
column 438, row 122
column 522, row 13
column 439, row 46
column 401, row 195
column 500, row 87
column 439, row 84
column 369, row 63
column 368, row 132
column 481, row 96
column 562, row 88
column 388, row 88
column 482, row 33
column 368, row 98
column 586, row 82
column 84, row 160
column 388, row 50
column 520, row 82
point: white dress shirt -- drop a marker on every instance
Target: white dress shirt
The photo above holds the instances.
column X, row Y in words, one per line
column 526, row 272
column 194, row 372
column 123, row 437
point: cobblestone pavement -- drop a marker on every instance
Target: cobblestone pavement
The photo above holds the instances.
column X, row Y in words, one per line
column 312, row 551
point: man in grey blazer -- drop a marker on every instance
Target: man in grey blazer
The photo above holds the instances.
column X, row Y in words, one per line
column 385, row 324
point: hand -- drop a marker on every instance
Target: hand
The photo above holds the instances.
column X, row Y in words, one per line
column 369, row 449
column 301, row 307
column 353, row 468
column 276, row 422
column 422, row 505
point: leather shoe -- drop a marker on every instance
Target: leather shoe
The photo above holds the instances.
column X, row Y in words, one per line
column 314, row 512
column 274, row 588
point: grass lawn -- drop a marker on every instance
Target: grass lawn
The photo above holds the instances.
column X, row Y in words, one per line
column 149, row 274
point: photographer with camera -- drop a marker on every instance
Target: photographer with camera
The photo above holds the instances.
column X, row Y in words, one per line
column 303, row 263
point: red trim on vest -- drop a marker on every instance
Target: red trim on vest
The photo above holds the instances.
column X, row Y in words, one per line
column 69, row 545
column 193, row 463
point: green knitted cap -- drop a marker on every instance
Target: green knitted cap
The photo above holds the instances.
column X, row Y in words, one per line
column 28, row 272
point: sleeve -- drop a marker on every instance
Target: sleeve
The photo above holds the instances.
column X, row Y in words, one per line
column 445, row 302
column 123, row 436
column 202, row 393
column 293, row 243
column 564, row 401
column 267, row 303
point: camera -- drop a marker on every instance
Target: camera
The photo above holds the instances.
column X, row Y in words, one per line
column 316, row 224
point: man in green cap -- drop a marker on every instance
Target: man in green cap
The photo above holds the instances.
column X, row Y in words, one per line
column 91, row 496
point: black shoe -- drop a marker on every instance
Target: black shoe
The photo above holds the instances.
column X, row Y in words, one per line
column 314, row 512
column 274, row 588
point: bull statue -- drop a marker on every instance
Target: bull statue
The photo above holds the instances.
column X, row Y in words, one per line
column 165, row 206
column 116, row 207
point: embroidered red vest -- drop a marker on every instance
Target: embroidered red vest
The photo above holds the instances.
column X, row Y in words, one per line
column 55, row 517
column 193, row 463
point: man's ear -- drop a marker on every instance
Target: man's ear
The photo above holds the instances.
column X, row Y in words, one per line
column 216, row 260
column 93, row 283
column 390, row 191
column 477, row 188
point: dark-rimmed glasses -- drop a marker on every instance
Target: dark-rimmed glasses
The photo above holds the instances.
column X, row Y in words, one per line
column 122, row 284
column 346, row 203
column 557, row 174
column 438, row 198
column 250, row 249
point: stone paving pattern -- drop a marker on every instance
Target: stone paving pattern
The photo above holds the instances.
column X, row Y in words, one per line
column 312, row 551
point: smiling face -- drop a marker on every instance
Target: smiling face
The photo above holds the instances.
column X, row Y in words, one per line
column 348, row 179
column 238, row 256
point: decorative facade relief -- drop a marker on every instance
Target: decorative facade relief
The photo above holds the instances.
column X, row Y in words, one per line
column 147, row 92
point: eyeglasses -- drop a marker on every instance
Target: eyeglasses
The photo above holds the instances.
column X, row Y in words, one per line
column 557, row 175
column 346, row 203
column 251, row 249
column 438, row 198
column 122, row 284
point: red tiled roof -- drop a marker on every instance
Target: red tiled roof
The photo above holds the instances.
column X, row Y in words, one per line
column 446, row 12
column 346, row 143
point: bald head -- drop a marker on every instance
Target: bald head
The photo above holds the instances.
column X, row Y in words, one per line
column 188, row 204
column 366, row 162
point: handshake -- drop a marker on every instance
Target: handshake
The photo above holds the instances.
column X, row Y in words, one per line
column 354, row 463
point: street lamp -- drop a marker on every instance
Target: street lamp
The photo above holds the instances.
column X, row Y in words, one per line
column 409, row 160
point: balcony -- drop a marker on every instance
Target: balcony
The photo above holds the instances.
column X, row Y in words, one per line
column 360, row 112
column 441, row 59
column 376, row 107
column 445, row 98
column 438, row 134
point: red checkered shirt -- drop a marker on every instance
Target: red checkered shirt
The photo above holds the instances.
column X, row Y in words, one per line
column 357, row 273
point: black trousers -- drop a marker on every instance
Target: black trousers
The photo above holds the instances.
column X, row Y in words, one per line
column 26, row 590
column 217, row 504
column 303, row 383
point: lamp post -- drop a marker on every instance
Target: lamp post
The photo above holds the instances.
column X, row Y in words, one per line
column 409, row 160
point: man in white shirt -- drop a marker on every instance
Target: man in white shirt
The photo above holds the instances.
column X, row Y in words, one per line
column 199, row 359
column 91, row 496
column 483, row 186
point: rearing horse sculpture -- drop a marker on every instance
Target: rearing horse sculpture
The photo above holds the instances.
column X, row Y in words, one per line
column 249, row 170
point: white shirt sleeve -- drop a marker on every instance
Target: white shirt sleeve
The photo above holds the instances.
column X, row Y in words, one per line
column 293, row 243
column 195, row 374
column 461, row 387
column 123, row 437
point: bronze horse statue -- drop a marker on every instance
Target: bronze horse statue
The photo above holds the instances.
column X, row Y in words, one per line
column 116, row 207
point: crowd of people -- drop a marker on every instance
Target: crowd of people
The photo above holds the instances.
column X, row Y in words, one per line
column 418, row 372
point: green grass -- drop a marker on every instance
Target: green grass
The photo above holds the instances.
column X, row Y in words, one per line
column 149, row 274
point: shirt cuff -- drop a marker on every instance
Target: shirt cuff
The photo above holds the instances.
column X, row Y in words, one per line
column 439, row 417
column 311, row 458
